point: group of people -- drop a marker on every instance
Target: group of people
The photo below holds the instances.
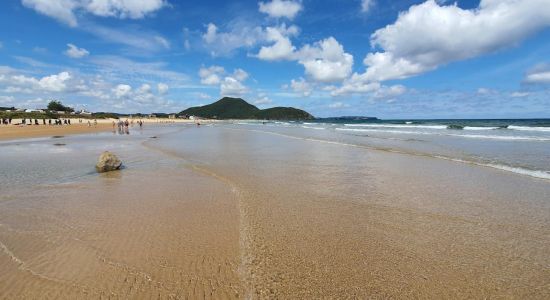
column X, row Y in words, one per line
column 9, row 121
column 122, row 127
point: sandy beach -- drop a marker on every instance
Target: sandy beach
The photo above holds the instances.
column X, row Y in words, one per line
column 229, row 212
column 31, row 131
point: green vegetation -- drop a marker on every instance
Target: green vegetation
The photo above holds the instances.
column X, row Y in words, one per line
column 237, row 108
column 26, row 115
column 58, row 106
column 283, row 113
column 226, row 108
column 105, row 115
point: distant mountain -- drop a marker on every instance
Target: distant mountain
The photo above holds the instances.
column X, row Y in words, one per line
column 237, row 108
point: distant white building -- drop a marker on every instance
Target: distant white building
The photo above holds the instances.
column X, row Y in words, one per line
column 83, row 112
column 34, row 110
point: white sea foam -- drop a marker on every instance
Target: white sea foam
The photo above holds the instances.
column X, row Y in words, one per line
column 532, row 173
column 479, row 128
column 465, row 135
column 312, row 127
column 527, row 128
column 397, row 126
column 502, row 137
column 522, row 171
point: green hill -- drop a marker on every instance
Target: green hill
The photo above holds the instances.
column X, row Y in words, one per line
column 283, row 113
column 237, row 108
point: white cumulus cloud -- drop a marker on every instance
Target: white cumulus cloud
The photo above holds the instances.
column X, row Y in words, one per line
column 429, row 35
column 211, row 75
column 282, row 49
column 75, row 52
column 231, row 87
column 366, row 5
column 326, row 61
column 162, row 88
column 122, row 90
column 238, row 35
column 302, row 87
column 281, row 8
column 539, row 74
column 66, row 11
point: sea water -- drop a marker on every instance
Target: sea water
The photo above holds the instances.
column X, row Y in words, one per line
column 520, row 146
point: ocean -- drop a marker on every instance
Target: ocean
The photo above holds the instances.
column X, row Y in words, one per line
column 514, row 145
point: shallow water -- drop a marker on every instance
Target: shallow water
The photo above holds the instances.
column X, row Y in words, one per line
column 324, row 217
column 522, row 148
column 271, row 211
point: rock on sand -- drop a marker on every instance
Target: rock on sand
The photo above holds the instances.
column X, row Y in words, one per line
column 108, row 162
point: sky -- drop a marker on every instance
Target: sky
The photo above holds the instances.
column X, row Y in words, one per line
column 388, row 59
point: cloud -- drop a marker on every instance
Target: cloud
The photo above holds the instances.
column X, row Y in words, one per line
column 231, row 87
column 519, row 94
column 540, row 74
column 122, row 90
column 429, row 35
column 540, row 77
column 62, row 10
column 356, row 84
column 240, row 74
column 263, row 100
column 388, row 92
column 134, row 38
column 162, row 88
column 302, row 87
column 282, row 49
column 211, row 75
column 133, row 9
column 55, row 83
column 76, row 52
column 118, row 68
column 337, row 105
column 6, row 100
column 366, row 5
column 65, row 11
column 280, row 8
column 326, row 61
column 28, row 84
column 94, row 89
column 238, row 35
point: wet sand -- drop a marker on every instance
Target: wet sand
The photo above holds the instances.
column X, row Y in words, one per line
column 329, row 220
column 31, row 131
column 113, row 238
column 219, row 212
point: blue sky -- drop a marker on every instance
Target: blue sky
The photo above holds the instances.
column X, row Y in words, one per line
column 390, row 59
